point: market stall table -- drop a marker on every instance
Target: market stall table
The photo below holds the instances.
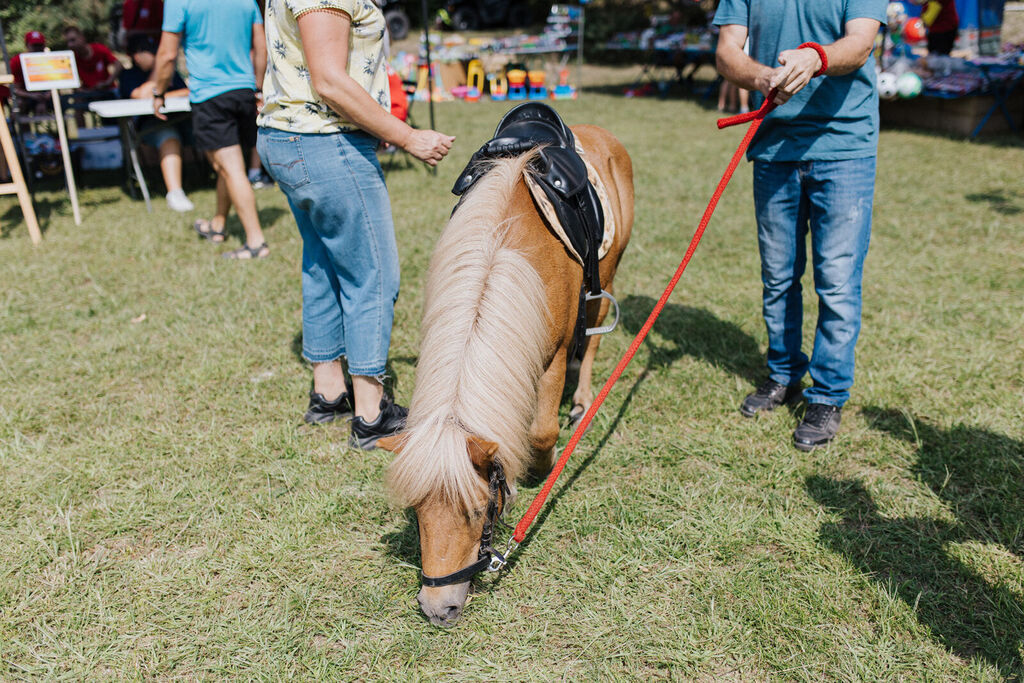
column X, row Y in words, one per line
column 1001, row 80
column 126, row 111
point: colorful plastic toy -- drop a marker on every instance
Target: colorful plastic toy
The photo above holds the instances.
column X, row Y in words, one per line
column 499, row 87
column 516, row 84
column 475, row 75
column 538, row 91
column 563, row 91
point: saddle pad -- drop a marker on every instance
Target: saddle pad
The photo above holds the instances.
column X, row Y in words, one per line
column 549, row 213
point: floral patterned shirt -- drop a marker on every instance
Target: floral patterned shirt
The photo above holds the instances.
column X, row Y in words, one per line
column 290, row 101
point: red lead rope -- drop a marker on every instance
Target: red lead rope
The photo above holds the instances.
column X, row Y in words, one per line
column 755, row 117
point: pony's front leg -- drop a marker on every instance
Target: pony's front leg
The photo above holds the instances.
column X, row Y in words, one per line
column 544, row 430
column 583, row 398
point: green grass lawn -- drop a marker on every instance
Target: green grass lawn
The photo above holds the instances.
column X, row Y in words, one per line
column 164, row 514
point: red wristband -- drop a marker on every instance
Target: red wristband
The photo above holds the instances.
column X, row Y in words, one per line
column 821, row 54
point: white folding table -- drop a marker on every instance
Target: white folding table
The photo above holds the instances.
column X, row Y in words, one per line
column 125, row 111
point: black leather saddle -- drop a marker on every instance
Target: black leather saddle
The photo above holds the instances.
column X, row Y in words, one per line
column 559, row 171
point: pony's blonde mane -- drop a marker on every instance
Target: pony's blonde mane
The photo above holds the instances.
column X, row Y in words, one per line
column 484, row 332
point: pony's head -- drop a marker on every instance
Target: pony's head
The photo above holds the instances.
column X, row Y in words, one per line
column 451, row 530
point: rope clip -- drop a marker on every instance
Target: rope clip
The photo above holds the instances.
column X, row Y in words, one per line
column 499, row 560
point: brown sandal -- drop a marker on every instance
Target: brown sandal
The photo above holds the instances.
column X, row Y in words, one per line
column 247, row 253
column 206, row 231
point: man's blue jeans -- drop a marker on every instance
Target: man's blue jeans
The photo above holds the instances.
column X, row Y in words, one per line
column 831, row 199
column 335, row 187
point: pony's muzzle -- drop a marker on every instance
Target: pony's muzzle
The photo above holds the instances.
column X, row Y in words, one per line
column 443, row 606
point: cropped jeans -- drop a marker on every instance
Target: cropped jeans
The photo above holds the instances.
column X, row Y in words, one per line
column 335, row 187
column 832, row 200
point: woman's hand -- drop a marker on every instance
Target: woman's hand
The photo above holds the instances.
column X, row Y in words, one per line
column 428, row 145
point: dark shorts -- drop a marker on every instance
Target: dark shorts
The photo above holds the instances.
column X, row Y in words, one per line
column 225, row 120
column 941, row 43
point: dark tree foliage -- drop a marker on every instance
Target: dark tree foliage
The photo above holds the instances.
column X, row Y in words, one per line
column 51, row 16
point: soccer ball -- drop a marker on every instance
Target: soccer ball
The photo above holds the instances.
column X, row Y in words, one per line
column 909, row 85
column 895, row 13
column 887, row 88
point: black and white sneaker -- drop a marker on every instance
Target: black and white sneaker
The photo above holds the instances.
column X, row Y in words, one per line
column 321, row 411
column 390, row 421
column 769, row 396
column 819, row 426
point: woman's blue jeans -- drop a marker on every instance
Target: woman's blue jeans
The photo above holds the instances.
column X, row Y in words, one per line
column 832, row 200
column 335, row 187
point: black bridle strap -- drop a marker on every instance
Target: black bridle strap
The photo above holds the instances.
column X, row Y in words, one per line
column 498, row 491
column 461, row 576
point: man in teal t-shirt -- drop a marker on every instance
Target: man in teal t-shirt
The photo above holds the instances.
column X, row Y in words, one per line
column 224, row 83
column 814, row 171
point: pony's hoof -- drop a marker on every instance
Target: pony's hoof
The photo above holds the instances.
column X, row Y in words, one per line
column 576, row 416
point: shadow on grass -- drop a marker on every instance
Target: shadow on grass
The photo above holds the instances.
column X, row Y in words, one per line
column 999, row 202
column 908, row 558
column 12, row 221
column 688, row 331
column 980, row 474
column 269, row 215
column 404, row 545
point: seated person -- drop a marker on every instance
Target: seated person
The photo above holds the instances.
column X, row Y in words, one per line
column 165, row 137
column 97, row 68
column 38, row 102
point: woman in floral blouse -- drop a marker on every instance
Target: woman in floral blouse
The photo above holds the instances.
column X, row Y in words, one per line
column 325, row 109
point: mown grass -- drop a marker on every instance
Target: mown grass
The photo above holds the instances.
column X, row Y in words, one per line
column 163, row 513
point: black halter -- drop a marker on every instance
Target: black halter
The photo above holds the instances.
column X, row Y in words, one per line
column 487, row 558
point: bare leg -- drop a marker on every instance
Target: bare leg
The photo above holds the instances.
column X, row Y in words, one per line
column 254, row 161
column 220, row 216
column 230, row 166
column 329, row 380
column 744, row 100
column 369, row 392
column 170, row 163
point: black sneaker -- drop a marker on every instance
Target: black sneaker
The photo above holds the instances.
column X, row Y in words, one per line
column 321, row 411
column 820, row 424
column 769, row 396
column 390, row 421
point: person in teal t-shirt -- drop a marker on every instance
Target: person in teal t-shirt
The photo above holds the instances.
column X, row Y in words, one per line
column 814, row 171
column 226, row 54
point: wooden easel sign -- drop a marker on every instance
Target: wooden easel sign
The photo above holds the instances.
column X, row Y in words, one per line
column 17, row 185
column 53, row 71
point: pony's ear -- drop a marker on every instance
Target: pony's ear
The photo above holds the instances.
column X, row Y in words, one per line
column 481, row 452
column 393, row 443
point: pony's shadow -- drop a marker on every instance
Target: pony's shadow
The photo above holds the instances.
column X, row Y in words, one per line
column 567, row 485
column 695, row 332
column 909, row 557
column 684, row 331
column 404, row 545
